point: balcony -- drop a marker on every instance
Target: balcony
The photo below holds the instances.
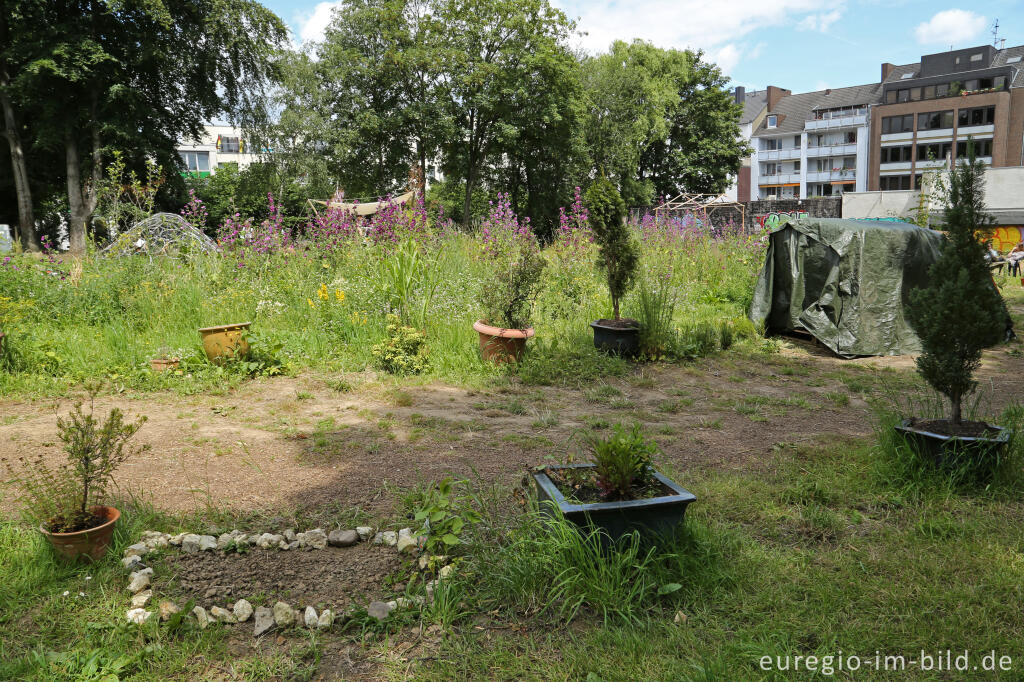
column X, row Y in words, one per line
column 835, row 175
column 779, row 179
column 834, row 123
column 844, row 149
column 778, row 154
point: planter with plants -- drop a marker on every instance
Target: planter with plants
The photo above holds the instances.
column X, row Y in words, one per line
column 67, row 501
column 620, row 492
column 619, row 257
column 164, row 361
column 225, row 342
column 957, row 315
column 507, row 297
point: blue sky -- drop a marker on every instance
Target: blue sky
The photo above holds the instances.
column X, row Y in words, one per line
column 802, row 45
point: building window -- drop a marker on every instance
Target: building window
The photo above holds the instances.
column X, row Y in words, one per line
column 228, row 145
column 890, row 97
column 772, row 121
column 972, row 84
column 796, row 166
column 771, row 169
column 896, row 154
column 851, row 137
column 936, row 151
column 901, row 124
column 977, row 116
column 903, row 95
column 935, row 120
column 977, row 57
column 981, row 148
column 942, row 89
column 796, row 141
column 196, row 162
column 892, row 183
column 771, row 144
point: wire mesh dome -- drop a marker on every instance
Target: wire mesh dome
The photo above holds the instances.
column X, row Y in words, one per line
column 161, row 234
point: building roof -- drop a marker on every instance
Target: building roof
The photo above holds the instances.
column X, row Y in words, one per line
column 1000, row 59
column 794, row 110
column 753, row 104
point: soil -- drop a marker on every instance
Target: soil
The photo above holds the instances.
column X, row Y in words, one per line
column 335, row 577
column 78, row 521
column 622, row 323
column 582, row 486
column 965, row 429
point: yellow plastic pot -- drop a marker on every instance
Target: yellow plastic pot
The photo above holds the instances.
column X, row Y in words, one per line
column 224, row 342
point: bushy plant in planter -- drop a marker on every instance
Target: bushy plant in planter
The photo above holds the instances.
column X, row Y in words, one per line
column 620, row 491
column 957, row 315
column 507, row 298
column 619, row 257
column 67, row 501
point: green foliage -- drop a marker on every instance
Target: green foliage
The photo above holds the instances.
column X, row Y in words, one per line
column 622, row 460
column 656, row 304
column 410, row 277
column 960, row 311
column 61, row 497
column 567, row 362
column 507, row 296
column 444, row 515
column 618, row 252
column 403, row 351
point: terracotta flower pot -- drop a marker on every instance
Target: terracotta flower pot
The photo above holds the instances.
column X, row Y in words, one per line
column 224, row 342
column 164, row 364
column 501, row 345
column 92, row 543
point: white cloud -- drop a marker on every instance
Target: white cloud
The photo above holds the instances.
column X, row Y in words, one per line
column 726, row 31
column 820, row 22
column 311, row 25
column 950, row 27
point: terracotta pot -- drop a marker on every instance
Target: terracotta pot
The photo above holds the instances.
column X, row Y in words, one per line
column 501, row 345
column 224, row 342
column 92, row 543
column 163, row 364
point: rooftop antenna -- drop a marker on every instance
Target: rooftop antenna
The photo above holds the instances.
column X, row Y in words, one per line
column 995, row 33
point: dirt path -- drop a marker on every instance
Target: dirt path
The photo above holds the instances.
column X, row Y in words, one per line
column 293, row 442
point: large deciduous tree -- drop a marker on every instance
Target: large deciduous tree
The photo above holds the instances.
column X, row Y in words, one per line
column 137, row 75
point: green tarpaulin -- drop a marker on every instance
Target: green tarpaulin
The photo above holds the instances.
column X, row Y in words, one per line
column 845, row 282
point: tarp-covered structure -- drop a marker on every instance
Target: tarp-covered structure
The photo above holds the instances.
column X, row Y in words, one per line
column 845, row 282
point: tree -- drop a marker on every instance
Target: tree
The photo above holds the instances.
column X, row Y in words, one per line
column 618, row 254
column 492, row 52
column 138, row 75
column 702, row 149
column 960, row 311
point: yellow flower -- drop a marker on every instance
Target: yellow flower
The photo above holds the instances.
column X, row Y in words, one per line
column 310, row 302
column 322, row 292
column 340, row 295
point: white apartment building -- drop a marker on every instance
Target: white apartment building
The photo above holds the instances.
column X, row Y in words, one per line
column 218, row 146
column 814, row 144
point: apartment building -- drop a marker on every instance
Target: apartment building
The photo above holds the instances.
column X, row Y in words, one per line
column 219, row 145
column 930, row 110
column 814, row 144
column 755, row 106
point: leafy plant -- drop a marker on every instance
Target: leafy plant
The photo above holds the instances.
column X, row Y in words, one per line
column 443, row 517
column 407, row 272
column 960, row 311
column 61, row 497
column 618, row 252
column 657, row 304
column 403, row 351
column 621, row 460
column 263, row 358
column 507, row 295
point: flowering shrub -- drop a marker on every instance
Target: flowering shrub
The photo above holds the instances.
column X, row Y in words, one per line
column 195, row 211
column 269, row 236
column 403, row 351
column 574, row 226
column 516, row 267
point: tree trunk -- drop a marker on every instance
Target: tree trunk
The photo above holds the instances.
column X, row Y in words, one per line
column 956, row 401
column 81, row 199
column 470, row 181
column 19, row 166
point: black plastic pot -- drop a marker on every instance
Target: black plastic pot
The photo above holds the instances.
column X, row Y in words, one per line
column 617, row 340
column 658, row 515
column 950, row 449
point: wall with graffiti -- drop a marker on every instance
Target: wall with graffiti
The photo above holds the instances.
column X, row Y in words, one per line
column 1005, row 237
column 772, row 220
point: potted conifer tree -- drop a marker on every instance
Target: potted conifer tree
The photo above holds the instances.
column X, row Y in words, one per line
column 957, row 315
column 619, row 258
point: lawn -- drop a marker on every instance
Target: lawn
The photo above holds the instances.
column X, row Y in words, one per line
column 805, row 539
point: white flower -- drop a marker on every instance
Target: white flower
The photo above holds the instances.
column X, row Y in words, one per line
column 66, row 593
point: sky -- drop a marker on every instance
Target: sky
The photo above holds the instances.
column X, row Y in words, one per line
column 802, row 45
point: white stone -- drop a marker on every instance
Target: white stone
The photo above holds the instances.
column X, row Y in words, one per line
column 138, row 549
column 139, row 616
column 378, row 610
column 325, row 620
column 406, row 543
column 139, row 580
column 316, row 538
column 207, row 542
column 224, row 539
column 289, row 535
column 190, row 543
column 283, row 545
column 201, row 617
column 364, row 532
column 141, row 599
column 264, row 620
column 158, row 541
column 284, row 615
column 445, row 572
column 309, row 617
column 131, row 562
column 242, row 610
column 223, row 615
column 176, row 539
column 167, row 609
column 387, row 537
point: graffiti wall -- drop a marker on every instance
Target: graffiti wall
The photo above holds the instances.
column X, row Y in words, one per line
column 772, row 220
column 1005, row 237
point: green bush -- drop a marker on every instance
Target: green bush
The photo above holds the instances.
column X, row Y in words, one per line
column 621, row 460
column 618, row 253
column 507, row 296
column 403, row 351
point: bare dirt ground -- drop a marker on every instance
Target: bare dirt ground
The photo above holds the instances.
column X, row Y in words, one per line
column 296, row 442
